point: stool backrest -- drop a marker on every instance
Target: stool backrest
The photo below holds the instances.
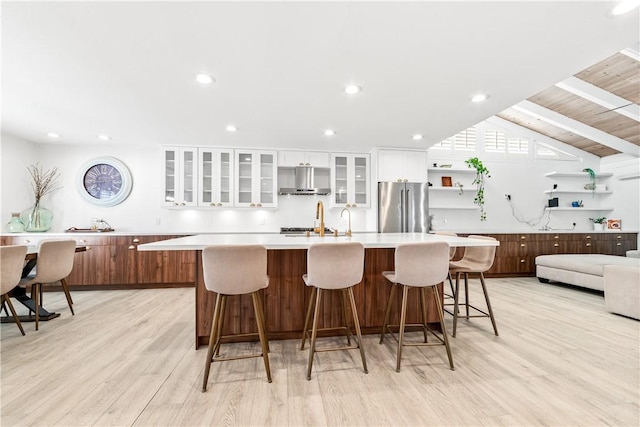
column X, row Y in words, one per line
column 335, row 265
column 235, row 269
column 452, row 249
column 421, row 264
column 11, row 264
column 55, row 260
column 481, row 257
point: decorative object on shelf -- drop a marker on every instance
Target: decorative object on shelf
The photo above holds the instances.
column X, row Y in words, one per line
column 577, row 204
column 36, row 218
column 445, row 166
column 104, row 181
column 614, row 224
column 598, row 223
column 592, row 177
column 15, row 225
column 446, row 181
column 460, row 190
column 481, row 174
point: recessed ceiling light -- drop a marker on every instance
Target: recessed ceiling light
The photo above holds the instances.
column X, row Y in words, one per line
column 231, row 128
column 417, row 137
column 624, row 7
column 479, row 97
column 352, row 89
column 204, row 79
column 104, row 137
column 329, row 132
column 53, row 135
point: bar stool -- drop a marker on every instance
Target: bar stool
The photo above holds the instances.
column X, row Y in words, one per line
column 11, row 263
column 476, row 259
column 235, row 270
column 333, row 266
column 418, row 265
column 55, row 262
column 452, row 255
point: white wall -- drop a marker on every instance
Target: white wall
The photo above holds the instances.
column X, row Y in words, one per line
column 142, row 211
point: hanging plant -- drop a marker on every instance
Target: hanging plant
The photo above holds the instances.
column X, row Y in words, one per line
column 592, row 177
column 481, row 174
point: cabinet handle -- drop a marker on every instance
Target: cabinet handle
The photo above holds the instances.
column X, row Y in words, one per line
column 523, row 245
column 259, row 205
column 588, row 237
column 175, row 203
column 405, row 180
column 307, row 164
column 556, row 237
column 399, row 180
column 87, row 248
column 212, row 204
column 556, row 245
column 354, row 205
column 619, row 237
column 183, row 204
column 219, row 204
column 300, row 164
column 253, row 205
column 131, row 247
column 588, row 244
column 136, row 240
column 618, row 244
column 523, row 237
column 521, row 260
column 347, row 205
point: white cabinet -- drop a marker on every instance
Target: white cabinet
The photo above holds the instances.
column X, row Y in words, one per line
column 296, row 158
column 402, row 166
column 216, row 178
column 350, row 184
column 180, row 176
column 255, row 182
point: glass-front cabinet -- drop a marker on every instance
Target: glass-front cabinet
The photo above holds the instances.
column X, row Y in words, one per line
column 350, row 183
column 256, row 178
column 215, row 172
column 180, row 176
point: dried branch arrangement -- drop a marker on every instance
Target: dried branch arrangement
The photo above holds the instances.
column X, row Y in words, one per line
column 43, row 181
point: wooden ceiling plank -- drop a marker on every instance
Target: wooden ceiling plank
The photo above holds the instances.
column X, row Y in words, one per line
column 577, row 127
column 601, row 97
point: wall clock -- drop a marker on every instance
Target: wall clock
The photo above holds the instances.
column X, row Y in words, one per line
column 104, row 181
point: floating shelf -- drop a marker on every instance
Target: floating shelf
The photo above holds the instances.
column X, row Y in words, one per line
column 451, row 170
column 453, row 189
column 474, row 208
column 578, row 209
column 576, row 175
column 577, row 192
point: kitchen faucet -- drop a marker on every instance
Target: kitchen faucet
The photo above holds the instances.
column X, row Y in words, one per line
column 320, row 216
column 348, row 232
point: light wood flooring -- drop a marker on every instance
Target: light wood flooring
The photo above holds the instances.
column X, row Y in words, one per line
column 127, row 358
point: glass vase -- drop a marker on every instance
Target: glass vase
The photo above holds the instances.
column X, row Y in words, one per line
column 15, row 225
column 36, row 218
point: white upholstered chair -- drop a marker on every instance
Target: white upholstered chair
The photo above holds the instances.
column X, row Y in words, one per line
column 339, row 267
column 424, row 266
column 11, row 263
column 235, row 270
column 476, row 260
column 55, row 262
column 452, row 255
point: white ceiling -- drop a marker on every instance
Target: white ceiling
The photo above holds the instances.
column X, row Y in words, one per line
column 126, row 68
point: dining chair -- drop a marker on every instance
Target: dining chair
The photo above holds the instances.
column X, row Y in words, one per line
column 424, row 266
column 333, row 267
column 54, row 264
column 11, row 263
column 230, row 271
column 476, row 260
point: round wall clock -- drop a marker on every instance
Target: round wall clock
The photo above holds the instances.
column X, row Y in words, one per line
column 104, row 181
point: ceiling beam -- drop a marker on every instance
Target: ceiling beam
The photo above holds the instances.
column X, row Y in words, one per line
column 579, row 128
column 601, row 97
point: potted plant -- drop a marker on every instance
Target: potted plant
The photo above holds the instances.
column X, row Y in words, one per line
column 481, row 174
column 592, row 180
column 598, row 223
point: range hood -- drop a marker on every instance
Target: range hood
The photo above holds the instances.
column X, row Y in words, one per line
column 304, row 183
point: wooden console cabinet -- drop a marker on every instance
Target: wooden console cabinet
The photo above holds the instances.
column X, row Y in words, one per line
column 517, row 252
column 112, row 262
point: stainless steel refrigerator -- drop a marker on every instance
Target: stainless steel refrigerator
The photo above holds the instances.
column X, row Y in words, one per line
column 403, row 207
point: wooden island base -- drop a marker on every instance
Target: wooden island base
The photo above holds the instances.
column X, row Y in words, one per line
column 287, row 297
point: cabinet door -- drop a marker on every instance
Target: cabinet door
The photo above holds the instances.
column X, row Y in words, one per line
column 215, row 172
column 266, row 194
column 402, row 166
column 180, row 176
column 350, row 184
column 256, row 178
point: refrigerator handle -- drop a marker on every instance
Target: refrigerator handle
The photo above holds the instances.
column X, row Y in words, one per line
column 406, row 210
column 403, row 200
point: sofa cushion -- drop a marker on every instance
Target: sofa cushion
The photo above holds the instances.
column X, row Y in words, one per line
column 585, row 263
column 622, row 290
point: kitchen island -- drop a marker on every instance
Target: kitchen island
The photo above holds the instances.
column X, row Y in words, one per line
column 287, row 296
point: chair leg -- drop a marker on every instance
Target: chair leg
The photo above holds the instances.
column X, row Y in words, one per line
column 314, row 332
column 307, row 318
column 345, row 318
column 466, row 293
column 261, row 332
column 451, row 284
column 486, row 297
column 456, row 309
column 387, row 313
column 212, row 342
column 356, row 323
column 65, row 288
column 5, row 298
column 264, row 317
column 223, row 309
column 403, row 316
column 423, row 310
column 444, row 330
column 35, row 291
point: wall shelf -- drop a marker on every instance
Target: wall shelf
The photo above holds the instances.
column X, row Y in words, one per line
column 555, row 174
column 468, row 208
column 577, row 192
column 451, row 170
column 579, row 209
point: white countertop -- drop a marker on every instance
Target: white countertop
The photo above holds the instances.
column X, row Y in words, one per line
column 282, row 241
